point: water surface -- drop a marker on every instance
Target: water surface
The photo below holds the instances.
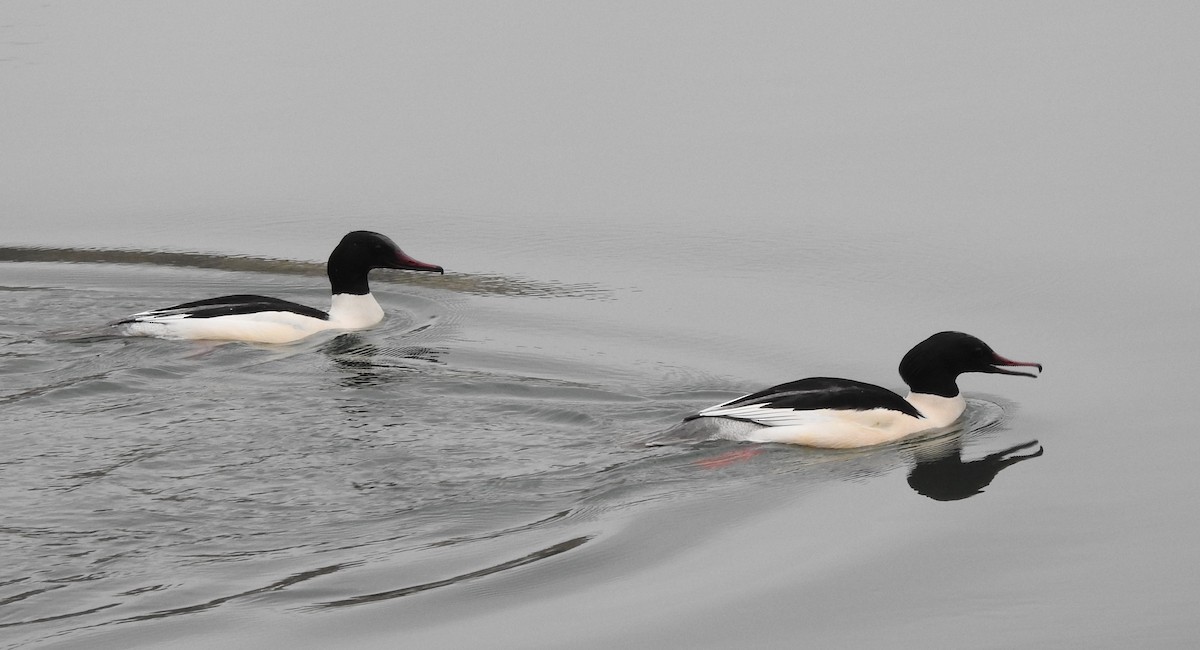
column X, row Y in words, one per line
column 644, row 209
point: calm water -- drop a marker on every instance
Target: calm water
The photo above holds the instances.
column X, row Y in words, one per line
column 644, row 210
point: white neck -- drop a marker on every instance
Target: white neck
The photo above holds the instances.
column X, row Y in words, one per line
column 938, row 411
column 351, row 311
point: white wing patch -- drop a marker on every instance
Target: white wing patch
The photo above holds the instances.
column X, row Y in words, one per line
column 767, row 416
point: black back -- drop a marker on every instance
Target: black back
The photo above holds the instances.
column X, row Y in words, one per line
column 826, row 393
column 231, row 305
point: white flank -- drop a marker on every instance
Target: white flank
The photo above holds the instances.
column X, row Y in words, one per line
column 835, row 428
column 346, row 312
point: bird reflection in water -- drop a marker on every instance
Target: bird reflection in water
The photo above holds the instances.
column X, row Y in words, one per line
column 940, row 473
column 368, row 364
column 938, row 470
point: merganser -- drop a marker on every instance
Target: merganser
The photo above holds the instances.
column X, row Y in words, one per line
column 259, row 319
column 842, row 413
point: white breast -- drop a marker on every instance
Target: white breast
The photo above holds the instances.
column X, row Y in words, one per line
column 354, row 312
column 938, row 411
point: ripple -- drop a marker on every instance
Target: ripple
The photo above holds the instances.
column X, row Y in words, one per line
column 540, row 554
column 149, row 481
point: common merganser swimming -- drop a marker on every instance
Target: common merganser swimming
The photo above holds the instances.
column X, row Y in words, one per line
column 259, row 319
column 842, row 413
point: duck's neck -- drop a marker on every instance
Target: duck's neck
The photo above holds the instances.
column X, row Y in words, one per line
column 938, row 411
column 347, row 273
column 354, row 311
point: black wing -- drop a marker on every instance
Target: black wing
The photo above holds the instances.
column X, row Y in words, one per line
column 818, row 393
column 229, row 306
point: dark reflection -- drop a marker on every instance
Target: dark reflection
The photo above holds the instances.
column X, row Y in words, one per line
column 367, row 364
column 940, row 473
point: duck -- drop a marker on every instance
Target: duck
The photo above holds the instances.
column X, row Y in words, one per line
column 261, row 319
column 837, row 413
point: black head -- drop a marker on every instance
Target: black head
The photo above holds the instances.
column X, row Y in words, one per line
column 361, row 251
column 934, row 364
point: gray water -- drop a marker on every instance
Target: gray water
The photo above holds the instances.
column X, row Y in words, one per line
column 644, row 209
